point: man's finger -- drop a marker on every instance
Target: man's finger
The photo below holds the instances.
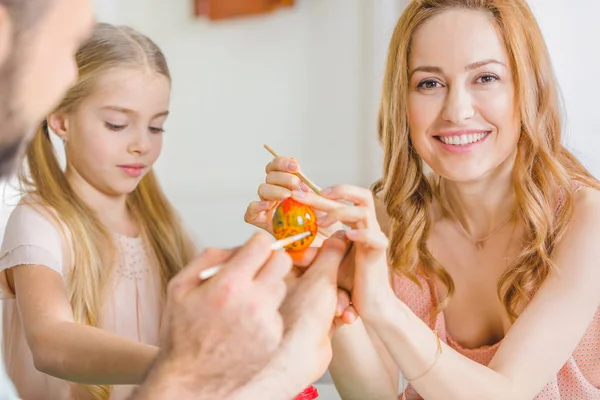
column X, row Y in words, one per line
column 276, row 268
column 250, row 257
column 330, row 257
column 189, row 277
column 306, row 257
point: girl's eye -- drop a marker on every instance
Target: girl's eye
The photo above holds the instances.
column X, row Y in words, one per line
column 114, row 127
column 156, row 130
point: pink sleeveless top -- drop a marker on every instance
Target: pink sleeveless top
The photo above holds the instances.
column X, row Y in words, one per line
column 578, row 379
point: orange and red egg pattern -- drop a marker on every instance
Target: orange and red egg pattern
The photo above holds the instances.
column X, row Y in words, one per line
column 292, row 217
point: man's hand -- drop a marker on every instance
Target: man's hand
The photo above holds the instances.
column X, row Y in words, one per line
column 221, row 332
column 308, row 312
column 345, row 312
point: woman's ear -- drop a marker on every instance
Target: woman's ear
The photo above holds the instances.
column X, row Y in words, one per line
column 59, row 123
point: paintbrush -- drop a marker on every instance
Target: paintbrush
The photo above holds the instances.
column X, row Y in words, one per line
column 303, row 178
column 209, row 272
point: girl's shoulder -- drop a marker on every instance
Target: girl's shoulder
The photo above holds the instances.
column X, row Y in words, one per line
column 34, row 234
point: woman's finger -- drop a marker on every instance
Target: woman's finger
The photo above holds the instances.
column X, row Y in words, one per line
column 268, row 192
column 374, row 239
column 350, row 315
column 347, row 215
column 343, row 302
column 255, row 208
column 286, row 180
column 353, row 194
column 319, row 203
column 283, row 164
column 259, row 213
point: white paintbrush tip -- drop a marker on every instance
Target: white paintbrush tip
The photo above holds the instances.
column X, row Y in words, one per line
column 279, row 244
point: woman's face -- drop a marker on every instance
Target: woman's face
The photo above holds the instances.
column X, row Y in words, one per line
column 464, row 120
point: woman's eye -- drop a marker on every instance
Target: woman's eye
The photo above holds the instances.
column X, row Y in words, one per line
column 428, row 84
column 488, row 78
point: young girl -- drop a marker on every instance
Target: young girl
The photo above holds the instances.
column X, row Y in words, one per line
column 495, row 288
column 88, row 252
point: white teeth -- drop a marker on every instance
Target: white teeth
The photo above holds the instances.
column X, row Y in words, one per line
column 463, row 140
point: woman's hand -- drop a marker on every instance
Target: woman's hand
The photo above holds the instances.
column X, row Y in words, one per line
column 370, row 281
column 281, row 180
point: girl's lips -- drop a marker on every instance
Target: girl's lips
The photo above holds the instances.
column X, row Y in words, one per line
column 133, row 170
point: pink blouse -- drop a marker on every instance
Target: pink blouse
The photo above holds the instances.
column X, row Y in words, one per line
column 579, row 378
column 133, row 309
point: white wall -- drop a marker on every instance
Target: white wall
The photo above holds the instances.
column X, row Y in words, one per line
column 571, row 31
column 290, row 79
column 306, row 80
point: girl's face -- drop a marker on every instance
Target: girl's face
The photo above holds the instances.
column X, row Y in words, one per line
column 115, row 135
column 464, row 122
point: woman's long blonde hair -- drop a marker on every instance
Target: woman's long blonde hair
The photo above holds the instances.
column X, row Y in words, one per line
column 544, row 169
column 93, row 247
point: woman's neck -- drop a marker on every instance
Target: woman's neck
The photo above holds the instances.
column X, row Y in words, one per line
column 481, row 206
column 111, row 210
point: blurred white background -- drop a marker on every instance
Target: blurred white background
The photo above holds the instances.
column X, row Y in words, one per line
column 306, row 81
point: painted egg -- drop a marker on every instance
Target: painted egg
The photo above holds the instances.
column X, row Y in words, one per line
column 291, row 218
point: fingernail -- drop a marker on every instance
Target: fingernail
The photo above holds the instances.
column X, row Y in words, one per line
column 339, row 234
column 264, row 203
column 304, row 187
column 350, row 317
column 326, row 190
column 292, row 166
column 321, row 219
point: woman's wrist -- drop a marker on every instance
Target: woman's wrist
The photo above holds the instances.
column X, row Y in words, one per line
column 386, row 309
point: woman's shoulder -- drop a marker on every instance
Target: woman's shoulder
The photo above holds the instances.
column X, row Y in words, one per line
column 586, row 199
column 584, row 220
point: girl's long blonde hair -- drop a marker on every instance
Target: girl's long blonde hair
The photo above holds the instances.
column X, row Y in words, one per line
column 544, row 169
column 93, row 247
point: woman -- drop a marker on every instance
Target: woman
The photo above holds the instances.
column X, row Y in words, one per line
column 494, row 255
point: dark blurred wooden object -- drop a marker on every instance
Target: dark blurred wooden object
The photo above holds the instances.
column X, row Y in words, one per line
column 226, row 9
